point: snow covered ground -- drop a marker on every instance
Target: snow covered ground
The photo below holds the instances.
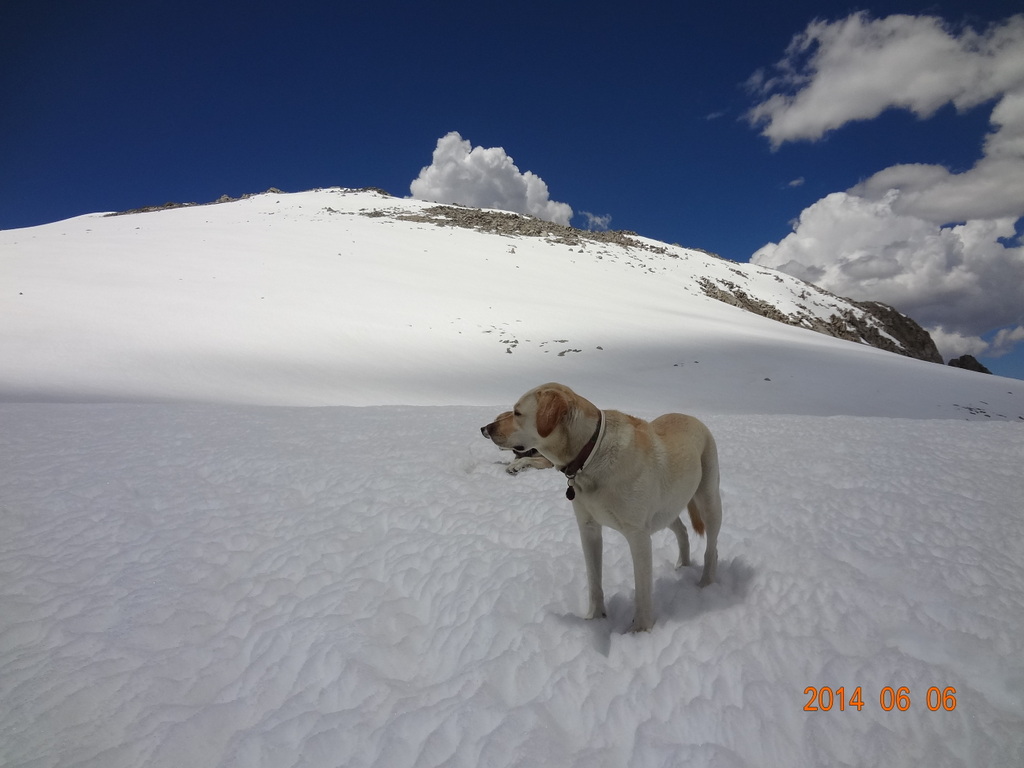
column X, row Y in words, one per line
column 209, row 582
column 219, row 586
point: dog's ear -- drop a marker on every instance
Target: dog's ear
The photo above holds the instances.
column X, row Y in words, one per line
column 552, row 407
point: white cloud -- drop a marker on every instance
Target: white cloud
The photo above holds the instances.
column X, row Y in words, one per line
column 992, row 189
column 939, row 246
column 595, row 222
column 952, row 344
column 963, row 279
column 1005, row 340
column 856, row 68
column 485, row 178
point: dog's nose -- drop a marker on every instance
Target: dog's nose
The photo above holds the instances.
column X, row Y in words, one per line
column 483, row 431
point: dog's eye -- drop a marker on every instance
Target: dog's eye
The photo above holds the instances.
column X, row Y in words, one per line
column 516, row 413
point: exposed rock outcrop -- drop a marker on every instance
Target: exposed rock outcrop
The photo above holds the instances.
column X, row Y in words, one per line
column 869, row 322
column 865, row 322
column 912, row 340
column 969, row 363
column 522, row 225
column 172, row 205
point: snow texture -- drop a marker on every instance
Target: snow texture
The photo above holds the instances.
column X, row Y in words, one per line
column 225, row 586
column 208, row 582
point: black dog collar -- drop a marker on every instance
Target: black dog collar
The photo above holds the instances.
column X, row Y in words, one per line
column 577, row 465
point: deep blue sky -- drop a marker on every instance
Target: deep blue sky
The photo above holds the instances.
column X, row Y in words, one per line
column 631, row 109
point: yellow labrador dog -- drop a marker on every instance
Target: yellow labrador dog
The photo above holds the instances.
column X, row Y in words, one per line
column 624, row 473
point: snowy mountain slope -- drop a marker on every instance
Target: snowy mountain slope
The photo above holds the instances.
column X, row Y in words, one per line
column 337, row 297
column 228, row 586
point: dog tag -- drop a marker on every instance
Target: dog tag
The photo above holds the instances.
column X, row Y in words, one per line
column 570, row 493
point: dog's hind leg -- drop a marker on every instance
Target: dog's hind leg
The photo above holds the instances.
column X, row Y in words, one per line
column 711, row 512
column 679, row 530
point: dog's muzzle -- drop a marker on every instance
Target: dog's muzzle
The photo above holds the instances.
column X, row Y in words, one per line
column 519, row 450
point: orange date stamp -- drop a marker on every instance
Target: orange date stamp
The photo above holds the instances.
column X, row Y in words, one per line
column 826, row 699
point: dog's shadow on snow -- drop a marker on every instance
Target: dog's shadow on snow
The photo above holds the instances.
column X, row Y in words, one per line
column 677, row 599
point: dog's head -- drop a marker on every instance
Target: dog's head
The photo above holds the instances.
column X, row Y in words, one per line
column 540, row 420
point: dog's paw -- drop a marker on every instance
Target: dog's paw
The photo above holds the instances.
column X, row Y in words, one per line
column 519, row 465
column 638, row 626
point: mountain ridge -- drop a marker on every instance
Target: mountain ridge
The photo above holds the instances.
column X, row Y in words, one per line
column 866, row 322
column 347, row 297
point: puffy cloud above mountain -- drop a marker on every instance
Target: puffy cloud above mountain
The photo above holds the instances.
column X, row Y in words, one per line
column 962, row 280
column 485, row 178
column 940, row 246
column 856, row 68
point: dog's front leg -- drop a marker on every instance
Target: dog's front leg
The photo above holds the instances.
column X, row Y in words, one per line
column 590, row 537
column 640, row 549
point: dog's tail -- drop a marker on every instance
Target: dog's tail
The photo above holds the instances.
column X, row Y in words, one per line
column 695, row 519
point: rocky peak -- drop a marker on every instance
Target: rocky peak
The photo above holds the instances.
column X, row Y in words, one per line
column 969, row 363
